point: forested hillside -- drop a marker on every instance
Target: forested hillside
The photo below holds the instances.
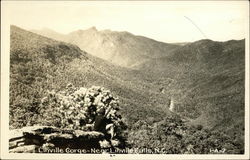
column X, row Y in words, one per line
column 202, row 81
column 207, row 81
column 39, row 64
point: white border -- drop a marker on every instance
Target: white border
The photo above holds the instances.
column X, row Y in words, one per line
column 5, row 41
column 247, row 110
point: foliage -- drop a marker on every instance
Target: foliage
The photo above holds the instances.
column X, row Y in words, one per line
column 175, row 136
column 74, row 107
column 35, row 72
column 212, row 96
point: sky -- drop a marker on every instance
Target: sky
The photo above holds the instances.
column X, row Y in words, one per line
column 167, row 21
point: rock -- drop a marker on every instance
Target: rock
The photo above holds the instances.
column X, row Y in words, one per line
column 38, row 129
column 28, row 139
column 16, row 142
column 88, row 134
column 75, row 111
column 49, row 137
column 48, row 145
column 24, row 149
column 15, row 134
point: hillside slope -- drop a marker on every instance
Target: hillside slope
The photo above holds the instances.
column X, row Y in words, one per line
column 121, row 48
column 200, row 77
column 203, row 81
column 207, row 81
column 38, row 64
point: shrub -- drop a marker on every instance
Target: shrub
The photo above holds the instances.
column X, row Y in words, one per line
column 76, row 107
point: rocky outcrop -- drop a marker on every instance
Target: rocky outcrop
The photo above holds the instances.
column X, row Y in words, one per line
column 67, row 123
column 47, row 139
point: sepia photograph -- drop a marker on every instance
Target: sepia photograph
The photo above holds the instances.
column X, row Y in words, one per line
column 125, row 79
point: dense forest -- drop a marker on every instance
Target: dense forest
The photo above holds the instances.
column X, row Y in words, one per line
column 206, row 100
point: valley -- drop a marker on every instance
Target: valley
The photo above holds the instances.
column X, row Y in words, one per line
column 204, row 80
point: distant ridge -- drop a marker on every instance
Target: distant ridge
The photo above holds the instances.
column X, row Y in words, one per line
column 121, row 48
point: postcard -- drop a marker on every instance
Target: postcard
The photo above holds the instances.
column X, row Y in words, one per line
column 125, row 80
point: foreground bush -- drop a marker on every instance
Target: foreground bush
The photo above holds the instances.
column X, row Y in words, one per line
column 76, row 107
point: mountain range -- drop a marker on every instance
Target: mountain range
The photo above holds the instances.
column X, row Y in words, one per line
column 42, row 64
column 203, row 80
column 199, row 68
column 121, row 48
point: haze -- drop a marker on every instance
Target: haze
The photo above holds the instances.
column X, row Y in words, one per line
column 181, row 21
